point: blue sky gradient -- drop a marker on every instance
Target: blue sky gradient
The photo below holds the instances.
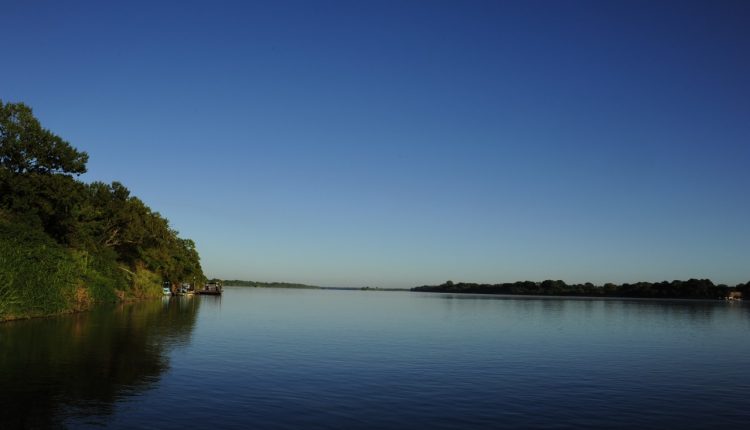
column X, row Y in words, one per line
column 409, row 142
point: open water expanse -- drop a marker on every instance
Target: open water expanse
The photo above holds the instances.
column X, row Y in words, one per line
column 314, row 359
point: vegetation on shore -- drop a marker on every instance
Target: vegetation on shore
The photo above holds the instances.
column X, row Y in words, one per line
column 66, row 244
column 382, row 289
column 690, row 289
column 239, row 283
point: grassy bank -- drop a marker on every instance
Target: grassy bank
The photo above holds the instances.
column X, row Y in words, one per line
column 39, row 277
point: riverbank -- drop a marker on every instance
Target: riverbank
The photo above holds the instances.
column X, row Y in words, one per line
column 66, row 245
column 40, row 278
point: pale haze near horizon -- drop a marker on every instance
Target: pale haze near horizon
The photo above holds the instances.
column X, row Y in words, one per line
column 396, row 144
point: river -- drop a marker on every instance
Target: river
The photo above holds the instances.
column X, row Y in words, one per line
column 315, row 359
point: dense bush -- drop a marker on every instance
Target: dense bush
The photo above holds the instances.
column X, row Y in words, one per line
column 37, row 276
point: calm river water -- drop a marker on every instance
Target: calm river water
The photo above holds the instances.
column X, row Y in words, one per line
column 314, row 359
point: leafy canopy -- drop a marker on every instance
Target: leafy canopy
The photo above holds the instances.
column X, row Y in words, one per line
column 115, row 232
column 27, row 147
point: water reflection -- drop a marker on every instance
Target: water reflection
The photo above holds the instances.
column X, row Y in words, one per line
column 694, row 312
column 80, row 365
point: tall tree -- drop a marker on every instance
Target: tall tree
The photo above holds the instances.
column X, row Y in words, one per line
column 27, row 147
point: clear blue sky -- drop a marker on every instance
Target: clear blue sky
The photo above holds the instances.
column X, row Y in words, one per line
column 401, row 143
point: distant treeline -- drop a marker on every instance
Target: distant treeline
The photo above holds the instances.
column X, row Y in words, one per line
column 238, row 283
column 690, row 289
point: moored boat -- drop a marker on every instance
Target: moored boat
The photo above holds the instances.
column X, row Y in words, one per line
column 212, row 289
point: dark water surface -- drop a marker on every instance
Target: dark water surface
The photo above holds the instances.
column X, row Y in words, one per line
column 274, row 358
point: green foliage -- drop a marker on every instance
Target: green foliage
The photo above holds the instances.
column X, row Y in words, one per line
column 145, row 283
column 26, row 147
column 75, row 243
column 43, row 201
column 37, row 275
column 100, row 275
column 110, row 219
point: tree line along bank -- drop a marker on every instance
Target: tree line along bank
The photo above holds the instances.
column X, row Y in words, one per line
column 66, row 244
column 690, row 289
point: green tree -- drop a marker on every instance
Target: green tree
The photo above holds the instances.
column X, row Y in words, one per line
column 27, row 147
column 115, row 244
column 43, row 201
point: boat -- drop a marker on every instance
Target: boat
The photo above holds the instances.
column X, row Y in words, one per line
column 166, row 291
column 186, row 288
column 211, row 289
column 733, row 296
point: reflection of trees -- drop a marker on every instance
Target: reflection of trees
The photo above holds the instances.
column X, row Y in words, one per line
column 81, row 364
column 665, row 312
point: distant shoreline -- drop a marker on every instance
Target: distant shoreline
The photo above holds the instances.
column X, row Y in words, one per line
column 305, row 287
column 605, row 298
column 256, row 284
column 692, row 289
